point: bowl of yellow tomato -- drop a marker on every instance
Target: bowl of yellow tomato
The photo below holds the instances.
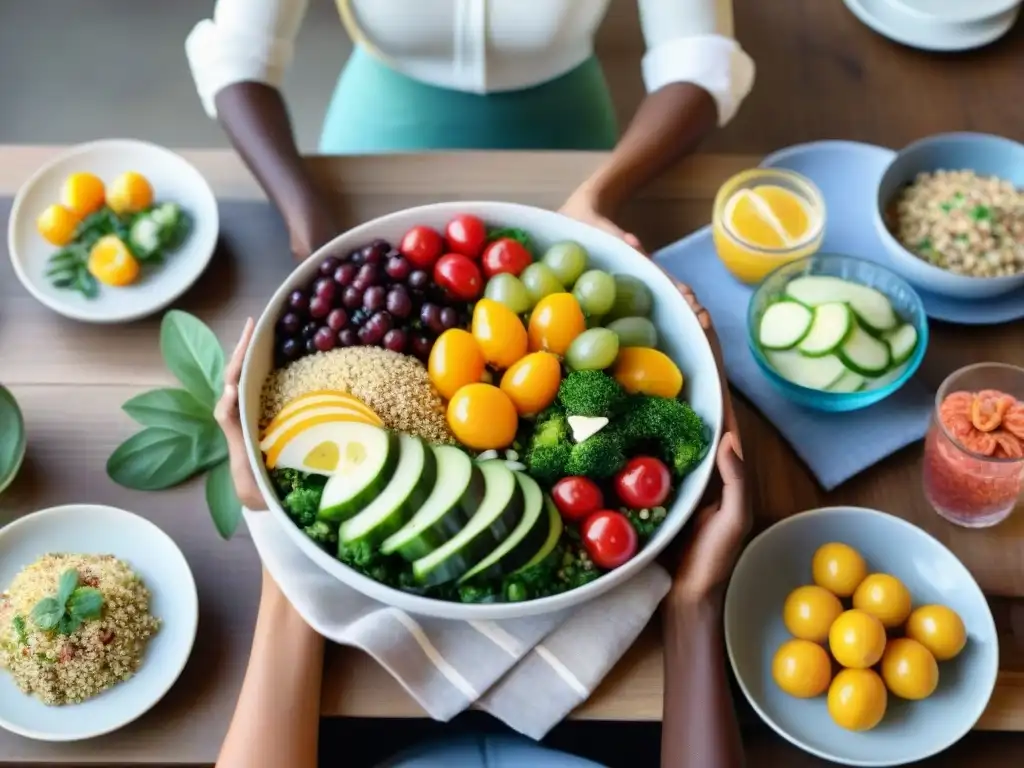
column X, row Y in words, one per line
column 860, row 638
column 112, row 231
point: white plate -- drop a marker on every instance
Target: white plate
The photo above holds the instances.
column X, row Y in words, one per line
column 956, row 10
column 89, row 529
column 173, row 178
column 907, row 26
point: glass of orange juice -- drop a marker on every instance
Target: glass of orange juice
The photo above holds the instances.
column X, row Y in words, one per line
column 764, row 218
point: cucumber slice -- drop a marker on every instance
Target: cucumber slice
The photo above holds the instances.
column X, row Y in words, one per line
column 784, row 324
column 498, row 514
column 555, row 528
column 368, row 458
column 848, row 382
column 870, row 305
column 458, row 487
column 811, row 372
column 902, row 343
column 832, row 325
column 864, row 354
column 886, row 378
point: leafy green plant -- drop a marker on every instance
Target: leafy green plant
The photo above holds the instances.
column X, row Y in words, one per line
column 180, row 438
column 70, row 607
column 12, row 435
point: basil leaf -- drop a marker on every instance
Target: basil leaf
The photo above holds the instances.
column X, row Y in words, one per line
column 193, row 355
column 209, row 448
column 12, row 435
column 47, row 612
column 87, row 284
column 68, row 623
column 225, row 508
column 154, row 459
column 170, row 408
column 67, row 584
column 86, row 603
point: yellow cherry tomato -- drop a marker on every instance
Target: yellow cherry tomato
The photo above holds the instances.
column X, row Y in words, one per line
column 555, row 322
column 499, row 332
column 839, row 568
column 857, row 639
column 939, row 629
column 647, row 371
column 909, row 669
column 112, row 263
column 885, row 598
column 809, row 611
column 483, row 417
column 83, row 193
column 57, row 224
column 857, row 699
column 532, row 382
column 802, row 669
column 455, row 361
column 129, row 193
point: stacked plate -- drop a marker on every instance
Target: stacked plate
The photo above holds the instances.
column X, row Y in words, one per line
column 938, row 25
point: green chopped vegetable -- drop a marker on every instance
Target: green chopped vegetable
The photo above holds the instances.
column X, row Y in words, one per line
column 20, row 629
column 981, row 213
column 549, row 446
column 670, row 426
column 591, row 393
column 599, row 456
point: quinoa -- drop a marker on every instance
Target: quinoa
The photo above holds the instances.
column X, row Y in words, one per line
column 394, row 385
column 67, row 669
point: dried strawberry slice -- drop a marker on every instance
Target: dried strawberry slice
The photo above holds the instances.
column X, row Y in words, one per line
column 988, row 409
column 1008, row 446
column 1013, row 420
column 979, row 442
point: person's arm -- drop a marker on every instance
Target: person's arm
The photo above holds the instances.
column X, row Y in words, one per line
column 238, row 59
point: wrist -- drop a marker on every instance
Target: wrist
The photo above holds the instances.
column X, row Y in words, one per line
column 681, row 603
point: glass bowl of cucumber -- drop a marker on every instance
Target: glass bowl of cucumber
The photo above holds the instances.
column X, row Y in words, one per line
column 836, row 333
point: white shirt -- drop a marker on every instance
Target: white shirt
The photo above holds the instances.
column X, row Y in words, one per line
column 478, row 46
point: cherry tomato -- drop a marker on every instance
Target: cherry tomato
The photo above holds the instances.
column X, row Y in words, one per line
column 505, row 255
column 466, row 235
column 499, row 332
column 422, row 246
column 643, row 482
column 609, row 538
column 482, row 417
column 455, row 361
column 577, row 497
column 555, row 322
column 532, row 382
column 458, row 275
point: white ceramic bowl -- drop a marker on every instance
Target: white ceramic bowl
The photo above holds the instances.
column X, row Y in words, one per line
column 12, row 438
column 174, row 179
column 938, row 25
column 681, row 337
column 779, row 560
column 98, row 530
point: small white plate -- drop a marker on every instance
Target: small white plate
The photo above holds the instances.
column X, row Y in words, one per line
column 173, row 178
column 956, row 10
column 90, row 529
column 909, row 25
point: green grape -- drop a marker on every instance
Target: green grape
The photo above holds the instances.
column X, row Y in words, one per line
column 632, row 298
column 595, row 291
column 592, row 350
column 509, row 290
column 634, row 332
column 567, row 260
column 540, row 281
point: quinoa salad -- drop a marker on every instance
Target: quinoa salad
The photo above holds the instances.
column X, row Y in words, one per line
column 72, row 626
column 962, row 222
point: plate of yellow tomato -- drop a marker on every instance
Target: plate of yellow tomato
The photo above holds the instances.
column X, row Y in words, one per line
column 112, row 231
column 860, row 638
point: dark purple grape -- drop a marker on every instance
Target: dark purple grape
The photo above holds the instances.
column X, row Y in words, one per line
column 430, row 316
column 369, row 274
column 395, row 340
column 399, row 304
column 310, row 346
column 449, row 318
column 421, row 345
column 324, row 339
column 298, row 301
column 375, row 298
column 356, row 256
column 392, row 252
column 371, row 334
column 348, row 337
column 352, row 297
column 375, row 251
column 290, row 324
column 398, row 268
column 337, row 319
column 328, row 265
column 382, row 320
column 418, row 279
column 308, row 330
column 319, row 307
column 345, row 274
column 382, row 245
column 325, row 289
column 291, row 349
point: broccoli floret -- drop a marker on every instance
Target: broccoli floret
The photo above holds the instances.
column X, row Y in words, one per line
column 286, row 480
column 671, row 426
column 322, row 532
column 303, row 504
column 598, row 457
column 484, row 592
column 591, row 393
column 367, row 559
column 550, row 446
column 646, row 527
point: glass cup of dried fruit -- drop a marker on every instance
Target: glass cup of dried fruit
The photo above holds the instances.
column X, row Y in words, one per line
column 974, row 450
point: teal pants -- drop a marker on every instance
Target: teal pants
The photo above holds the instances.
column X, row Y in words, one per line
column 376, row 110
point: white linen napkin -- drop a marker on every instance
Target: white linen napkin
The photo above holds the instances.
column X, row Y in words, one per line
column 529, row 672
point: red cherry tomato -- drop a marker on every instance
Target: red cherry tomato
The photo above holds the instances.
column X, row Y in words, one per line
column 609, row 538
column 422, row 246
column 466, row 235
column 458, row 275
column 643, row 482
column 505, row 255
column 577, row 497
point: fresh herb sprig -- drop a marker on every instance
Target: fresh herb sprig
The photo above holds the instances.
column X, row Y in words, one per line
column 72, row 606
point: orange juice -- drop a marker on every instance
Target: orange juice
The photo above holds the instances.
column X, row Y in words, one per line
column 765, row 218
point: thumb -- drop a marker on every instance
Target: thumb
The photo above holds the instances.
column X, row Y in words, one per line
column 729, row 460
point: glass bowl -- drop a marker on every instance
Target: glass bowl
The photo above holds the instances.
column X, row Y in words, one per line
column 904, row 300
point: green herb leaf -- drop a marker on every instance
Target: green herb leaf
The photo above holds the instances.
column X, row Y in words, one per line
column 225, row 508
column 68, row 623
column 981, row 213
column 154, row 459
column 18, row 622
column 86, row 603
column 46, row 614
column 86, row 284
column 66, row 585
column 12, row 435
column 174, row 409
column 193, row 355
column 209, row 448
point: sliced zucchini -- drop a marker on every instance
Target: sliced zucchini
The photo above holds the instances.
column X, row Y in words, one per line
column 498, row 514
column 864, row 354
column 409, row 487
column 833, row 322
column 367, row 461
column 555, row 527
column 902, row 343
column 524, row 540
column 784, row 324
column 871, row 306
column 886, row 378
column 457, row 492
column 848, row 382
column 811, row 372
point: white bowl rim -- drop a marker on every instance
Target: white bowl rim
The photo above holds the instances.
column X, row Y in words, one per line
column 990, row 628
column 192, row 619
column 5, row 482
column 70, row 311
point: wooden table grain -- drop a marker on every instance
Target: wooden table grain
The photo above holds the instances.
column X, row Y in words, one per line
column 71, row 378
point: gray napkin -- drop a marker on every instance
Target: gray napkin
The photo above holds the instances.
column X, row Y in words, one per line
column 835, row 446
column 529, row 672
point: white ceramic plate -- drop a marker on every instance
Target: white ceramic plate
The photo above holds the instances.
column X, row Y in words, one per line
column 907, row 26
column 173, row 178
column 956, row 10
column 89, row 529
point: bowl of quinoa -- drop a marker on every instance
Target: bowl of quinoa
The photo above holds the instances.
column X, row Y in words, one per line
column 98, row 614
column 950, row 211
